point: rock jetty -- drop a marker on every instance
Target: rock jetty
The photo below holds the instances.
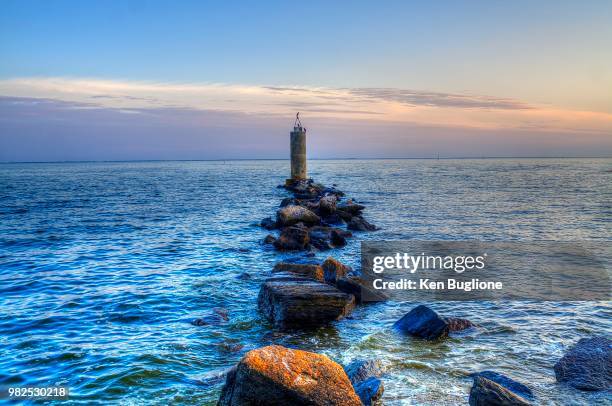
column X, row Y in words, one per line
column 314, row 219
column 306, row 294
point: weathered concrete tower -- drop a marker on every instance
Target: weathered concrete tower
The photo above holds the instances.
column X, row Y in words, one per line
column 298, row 150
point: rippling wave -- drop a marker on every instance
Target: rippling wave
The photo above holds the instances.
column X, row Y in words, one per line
column 105, row 265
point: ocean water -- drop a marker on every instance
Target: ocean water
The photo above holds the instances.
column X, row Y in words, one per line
column 104, row 265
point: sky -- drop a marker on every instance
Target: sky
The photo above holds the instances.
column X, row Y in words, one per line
column 122, row 80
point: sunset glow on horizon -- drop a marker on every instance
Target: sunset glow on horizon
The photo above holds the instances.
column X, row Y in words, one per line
column 198, row 85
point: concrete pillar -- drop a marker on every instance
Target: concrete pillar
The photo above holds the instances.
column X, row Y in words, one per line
column 298, row 153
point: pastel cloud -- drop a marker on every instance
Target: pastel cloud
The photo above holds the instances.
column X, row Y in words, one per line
column 146, row 120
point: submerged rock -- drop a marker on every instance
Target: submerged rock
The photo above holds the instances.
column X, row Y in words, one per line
column 313, row 271
column 587, row 365
column 268, row 223
column 269, row 239
column 422, row 322
column 293, row 238
column 275, row 375
column 508, row 383
column 456, row 324
column 302, row 303
column 358, row 223
column 334, row 270
column 219, row 316
column 290, row 215
column 486, row 392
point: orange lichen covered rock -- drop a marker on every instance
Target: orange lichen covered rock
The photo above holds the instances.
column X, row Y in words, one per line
column 276, row 375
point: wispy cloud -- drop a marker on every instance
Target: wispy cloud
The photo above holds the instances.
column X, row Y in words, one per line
column 435, row 99
column 381, row 105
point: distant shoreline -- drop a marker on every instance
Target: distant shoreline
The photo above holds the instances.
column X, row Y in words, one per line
column 313, row 159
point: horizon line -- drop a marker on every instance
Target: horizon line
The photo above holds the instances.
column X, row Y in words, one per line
column 310, row 159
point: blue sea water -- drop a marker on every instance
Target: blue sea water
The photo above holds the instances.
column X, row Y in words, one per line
column 104, row 265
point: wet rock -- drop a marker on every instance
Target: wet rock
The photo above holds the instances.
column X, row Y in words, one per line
column 369, row 391
column 327, row 205
column 210, row 320
column 289, row 201
column 269, row 239
column 290, row 303
column 313, row 271
column 334, row 270
column 344, row 216
column 358, row 223
column 337, row 239
column 456, row 324
column 222, row 312
column 353, row 209
column 364, row 375
column 229, row 347
column 360, row 289
column 268, row 223
column 359, row 370
column 332, row 219
column 293, row 238
column 324, row 238
column 275, row 375
column 422, row 322
column 244, row 276
column 508, row 383
column 485, row 392
column 587, row 365
column 290, row 215
column 332, row 191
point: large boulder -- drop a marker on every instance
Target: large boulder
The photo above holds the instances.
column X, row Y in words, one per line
column 276, row 375
column 510, row 384
column 313, row 271
column 587, row 365
column 358, row 223
column 291, row 303
column 293, row 238
column 290, row 215
column 364, row 375
column 422, row 322
column 485, row 392
column 334, row 270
